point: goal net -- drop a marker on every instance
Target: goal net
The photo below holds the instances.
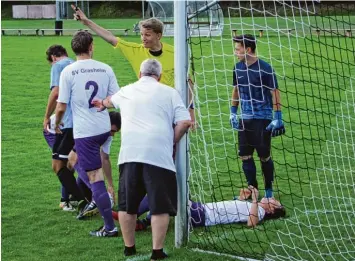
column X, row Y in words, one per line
column 311, row 46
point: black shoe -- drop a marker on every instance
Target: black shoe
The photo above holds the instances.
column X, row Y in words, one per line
column 102, row 232
column 88, row 211
column 158, row 255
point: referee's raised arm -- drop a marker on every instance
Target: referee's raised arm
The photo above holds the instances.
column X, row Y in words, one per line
column 100, row 31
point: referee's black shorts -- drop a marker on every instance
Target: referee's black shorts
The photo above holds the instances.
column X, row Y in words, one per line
column 138, row 179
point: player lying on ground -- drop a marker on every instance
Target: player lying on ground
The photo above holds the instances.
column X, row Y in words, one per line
column 226, row 212
column 256, row 89
column 151, row 34
column 58, row 58
column 79, row 84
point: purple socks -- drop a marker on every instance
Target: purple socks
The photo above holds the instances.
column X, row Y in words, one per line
column 103, row 203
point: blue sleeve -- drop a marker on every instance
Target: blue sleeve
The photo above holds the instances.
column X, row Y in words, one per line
column 55, row 75
column 235, row 83
column 65, row 87
column 271, row 80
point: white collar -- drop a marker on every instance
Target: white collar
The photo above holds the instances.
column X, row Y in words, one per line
column 147, row 79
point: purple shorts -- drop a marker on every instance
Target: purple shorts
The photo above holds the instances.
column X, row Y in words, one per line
column 197, row 216
column 88, row 150
column 50, row 138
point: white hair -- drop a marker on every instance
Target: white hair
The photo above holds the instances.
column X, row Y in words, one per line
column 151, row 67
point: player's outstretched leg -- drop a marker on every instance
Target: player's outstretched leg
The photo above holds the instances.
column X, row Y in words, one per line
column 267, row 166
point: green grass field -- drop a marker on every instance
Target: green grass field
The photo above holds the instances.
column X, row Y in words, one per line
column 314, row 161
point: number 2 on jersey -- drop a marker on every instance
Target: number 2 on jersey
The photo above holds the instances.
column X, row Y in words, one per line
column 96, row 87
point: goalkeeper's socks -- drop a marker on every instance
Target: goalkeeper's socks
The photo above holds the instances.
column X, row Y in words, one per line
column 66, row 177
column 158, row 254
column 268, row 193
column 268, row 172
column 249, row 169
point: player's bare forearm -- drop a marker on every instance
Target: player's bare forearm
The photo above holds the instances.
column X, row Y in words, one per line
column 253, row 218
column 276, row 100
column 235, row 97
column 52, row 102
column 106, row 165
column 59, row 112
column 102, row 32
column 180, row 129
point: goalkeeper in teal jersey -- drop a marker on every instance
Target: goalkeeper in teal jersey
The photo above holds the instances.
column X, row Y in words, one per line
column 256, row 90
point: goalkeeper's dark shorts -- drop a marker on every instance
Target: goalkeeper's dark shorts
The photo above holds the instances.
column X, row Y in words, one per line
column 138, row 179
column 254, row 136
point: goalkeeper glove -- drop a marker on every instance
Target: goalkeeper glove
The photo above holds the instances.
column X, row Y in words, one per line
column 233, row 119
column 276, row 126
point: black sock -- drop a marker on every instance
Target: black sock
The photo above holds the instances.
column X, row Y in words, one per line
column 66, row 177
column 84, row 189
column 250, row 172
column 268, row 171
column 158, row 254
column 130, row 251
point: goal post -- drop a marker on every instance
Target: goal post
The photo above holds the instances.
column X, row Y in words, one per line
column 181, row 85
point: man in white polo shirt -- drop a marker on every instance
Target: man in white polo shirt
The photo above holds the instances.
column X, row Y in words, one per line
column 154, row 118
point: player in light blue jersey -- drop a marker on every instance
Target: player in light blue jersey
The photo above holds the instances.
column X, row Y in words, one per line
column 58, row 58
column 256, row 89
column 79, row 84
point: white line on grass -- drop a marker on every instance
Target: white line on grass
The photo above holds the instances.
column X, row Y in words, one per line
column 226, row 255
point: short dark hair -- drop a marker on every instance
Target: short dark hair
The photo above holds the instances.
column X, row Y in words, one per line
column 81, row 42
column 246, row 40
column 55, row 50
column 153, row 24
column 279, row 212
column 115, row 118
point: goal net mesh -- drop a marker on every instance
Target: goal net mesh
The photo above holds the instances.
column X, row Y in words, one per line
column 311, row 47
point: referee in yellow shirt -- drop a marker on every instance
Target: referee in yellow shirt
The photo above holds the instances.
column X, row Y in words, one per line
column 151, row 48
